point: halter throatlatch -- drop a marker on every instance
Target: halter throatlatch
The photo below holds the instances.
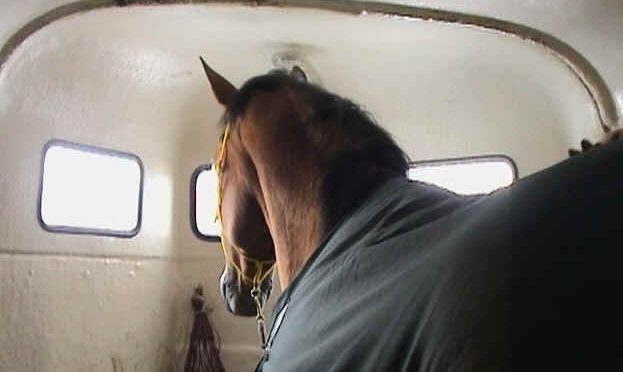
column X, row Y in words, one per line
column 263, row 269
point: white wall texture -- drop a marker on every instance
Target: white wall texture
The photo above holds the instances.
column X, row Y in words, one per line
column 593, row 28
column 129, row 79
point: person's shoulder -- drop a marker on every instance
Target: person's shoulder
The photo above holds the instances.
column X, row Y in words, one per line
column 615, row 135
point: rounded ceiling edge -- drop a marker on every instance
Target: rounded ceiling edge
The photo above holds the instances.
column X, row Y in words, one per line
column 589, row 77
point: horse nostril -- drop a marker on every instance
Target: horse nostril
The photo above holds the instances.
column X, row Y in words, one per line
column 227, row 294
column 237, row 300
column 237, row 296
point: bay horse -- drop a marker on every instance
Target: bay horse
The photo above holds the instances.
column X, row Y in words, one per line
column 382, row 274
column 279, row 195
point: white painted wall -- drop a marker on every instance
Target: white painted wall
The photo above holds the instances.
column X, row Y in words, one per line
column 129, row 79
column 594, row 28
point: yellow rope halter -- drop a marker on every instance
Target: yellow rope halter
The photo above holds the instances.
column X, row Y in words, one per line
column 263, row 269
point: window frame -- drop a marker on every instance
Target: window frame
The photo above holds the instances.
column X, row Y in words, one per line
column 193, row 204
column 73, row 230
column 467, row 159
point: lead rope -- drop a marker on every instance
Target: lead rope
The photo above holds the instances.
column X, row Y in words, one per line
column 259, row 318
column 262, row 268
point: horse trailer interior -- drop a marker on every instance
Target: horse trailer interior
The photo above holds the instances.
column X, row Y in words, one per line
column 82, row 81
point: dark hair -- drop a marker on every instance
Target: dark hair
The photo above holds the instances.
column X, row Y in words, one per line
column 370, row 157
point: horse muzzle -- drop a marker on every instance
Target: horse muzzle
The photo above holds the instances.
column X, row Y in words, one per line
column 237, row 293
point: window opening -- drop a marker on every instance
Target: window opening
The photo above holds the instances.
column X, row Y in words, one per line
column 203, row 203
column 89, row 190
column 466, row 176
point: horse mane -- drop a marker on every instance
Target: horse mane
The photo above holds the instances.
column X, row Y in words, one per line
column 367, row 157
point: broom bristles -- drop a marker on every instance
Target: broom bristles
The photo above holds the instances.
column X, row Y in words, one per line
column 204, row 348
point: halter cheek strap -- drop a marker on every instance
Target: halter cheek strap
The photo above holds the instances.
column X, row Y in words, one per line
column 263, row 269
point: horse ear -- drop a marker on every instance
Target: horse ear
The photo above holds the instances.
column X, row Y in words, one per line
column 223, row 89
column 298, row 74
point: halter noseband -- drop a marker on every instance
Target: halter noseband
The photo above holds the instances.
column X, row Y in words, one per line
column 263, row 269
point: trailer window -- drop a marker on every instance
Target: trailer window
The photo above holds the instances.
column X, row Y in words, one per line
column 466, row 176
column 203, row 203
column 89, row 190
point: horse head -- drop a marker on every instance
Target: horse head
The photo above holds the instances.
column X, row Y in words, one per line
column 292, row 161
column 245, row 239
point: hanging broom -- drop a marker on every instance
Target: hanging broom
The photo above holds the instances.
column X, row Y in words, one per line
column 203, row 350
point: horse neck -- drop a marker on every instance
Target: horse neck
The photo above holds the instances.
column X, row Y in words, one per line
column 289, row 185
column 295, row 220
